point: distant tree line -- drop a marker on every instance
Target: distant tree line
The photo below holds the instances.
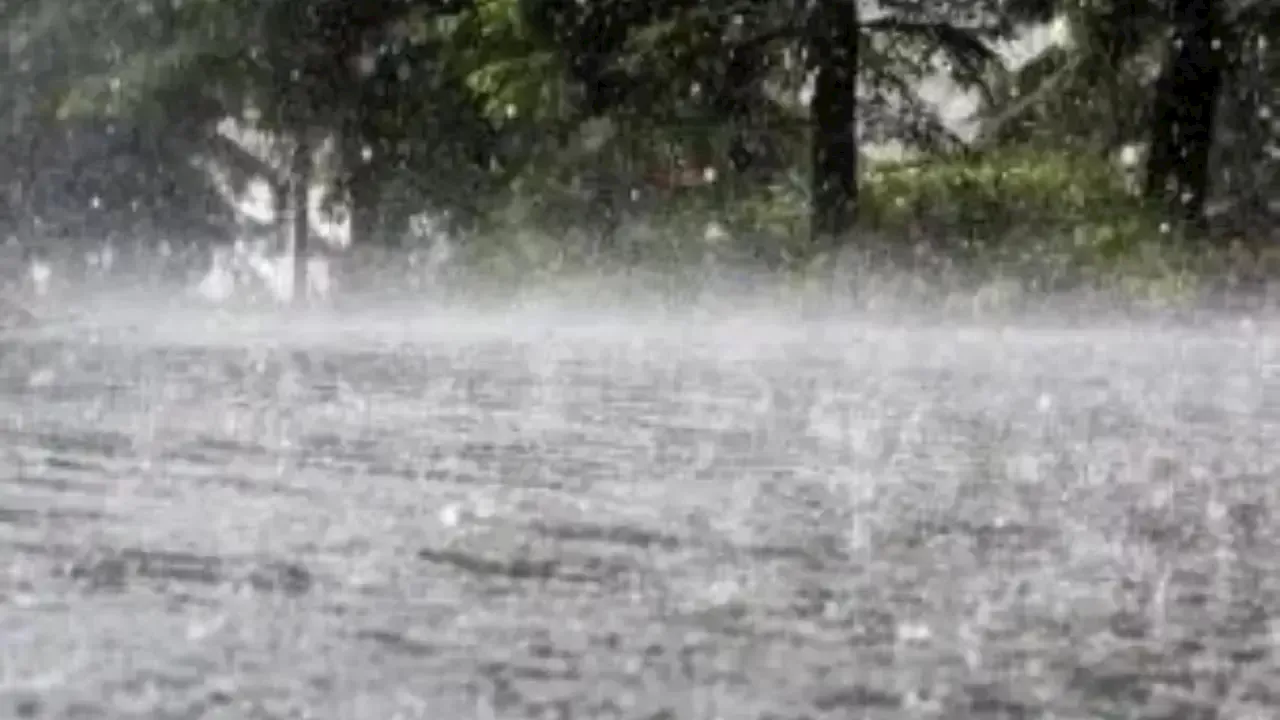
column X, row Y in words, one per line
column 114, row 109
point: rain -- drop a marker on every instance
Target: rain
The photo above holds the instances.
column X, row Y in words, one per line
column 639, row 360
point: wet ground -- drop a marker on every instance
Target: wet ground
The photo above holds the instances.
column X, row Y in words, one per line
column 566, row 517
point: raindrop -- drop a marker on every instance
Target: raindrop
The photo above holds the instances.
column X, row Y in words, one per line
column 450, row 515
column 1044, row 403
column 43, row 377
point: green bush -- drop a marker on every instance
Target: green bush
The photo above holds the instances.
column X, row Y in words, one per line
column 996, row 197
column 1049, row 219
column 994, row 191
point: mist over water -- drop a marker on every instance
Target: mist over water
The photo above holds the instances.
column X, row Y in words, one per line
column 721, row 509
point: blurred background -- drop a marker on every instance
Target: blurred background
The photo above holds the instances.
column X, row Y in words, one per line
column 536, row 134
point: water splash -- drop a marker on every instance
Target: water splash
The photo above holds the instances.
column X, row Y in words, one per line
column 250, row 270
column 362, row 512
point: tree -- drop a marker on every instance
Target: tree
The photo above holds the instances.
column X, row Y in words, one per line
column 1088, row 90
column 732, row 66
column 1184, row 109
column 1155, row 73
column 1248, row 142
column 75, row 174
column 833, row 51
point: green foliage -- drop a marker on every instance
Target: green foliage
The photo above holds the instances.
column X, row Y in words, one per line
column 1053, row 218
column 1090, row 87
column 512, row 72
column 559, row 132
column 991, row 194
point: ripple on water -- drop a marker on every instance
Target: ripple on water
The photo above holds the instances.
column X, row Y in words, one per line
column 643, row 522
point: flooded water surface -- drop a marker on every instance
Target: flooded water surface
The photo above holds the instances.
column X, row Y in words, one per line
column 550, row 516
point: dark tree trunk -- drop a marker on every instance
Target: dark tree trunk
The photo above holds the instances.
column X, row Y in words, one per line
column 364, row 211
column 735, row 100
column 1183, row 111
column 361, row 188
column 351, row 51
column 834, row 54
column 280, row 203
column 300, row 181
